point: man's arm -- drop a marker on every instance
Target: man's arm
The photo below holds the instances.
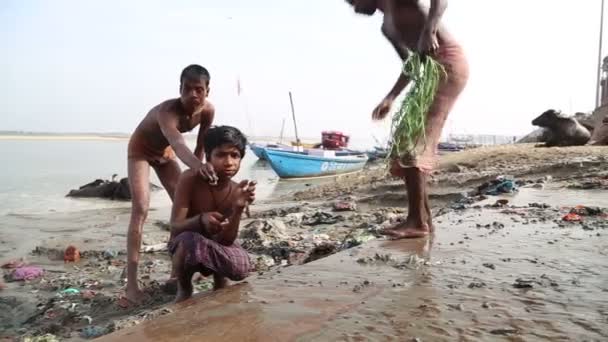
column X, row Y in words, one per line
column 206, row 120
column 403, row 80
column 436, row 11
column 168, row 121
column 181, row 203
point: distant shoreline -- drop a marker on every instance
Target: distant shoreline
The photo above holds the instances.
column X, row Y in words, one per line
column 43, row 136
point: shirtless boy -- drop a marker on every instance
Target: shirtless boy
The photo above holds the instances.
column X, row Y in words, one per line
column 409, row 26
column 205, row 219
column 154, row 143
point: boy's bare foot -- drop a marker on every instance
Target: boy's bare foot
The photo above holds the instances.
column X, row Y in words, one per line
column 182, row 295
column 170, row 286
column 407, row 230
column 219, row 282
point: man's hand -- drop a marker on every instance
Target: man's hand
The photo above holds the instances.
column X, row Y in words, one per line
column 245, row 193
column 428, row 43
column 208, row 173
column 213, row 222
column 382, row 109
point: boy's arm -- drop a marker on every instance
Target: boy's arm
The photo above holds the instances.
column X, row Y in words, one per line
column 206, row 120
column 181, row 203
column 244, row 194
column 230, row 231
column 168, row 122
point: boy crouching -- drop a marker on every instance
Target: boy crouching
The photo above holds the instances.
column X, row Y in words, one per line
column 205, row 216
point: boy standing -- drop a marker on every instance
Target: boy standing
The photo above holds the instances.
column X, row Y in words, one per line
column 205, row 218
column 154, row 143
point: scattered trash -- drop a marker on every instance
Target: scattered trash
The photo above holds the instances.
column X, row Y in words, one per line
column 43, row 338
column 70, row 291
column 501, row 203
column 501, row 185
column 93, row 331
column 345, row 206
column 27, row 273
column 586, row 211
column 161, row 247
column 71, row 254
column 320, row 218
column 109, row 254
column 13, row 264
column 572, row 217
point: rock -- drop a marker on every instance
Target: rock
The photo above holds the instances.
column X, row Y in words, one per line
column 489, row 265
column 504, row 331
column 113, row 190
column 524, row 283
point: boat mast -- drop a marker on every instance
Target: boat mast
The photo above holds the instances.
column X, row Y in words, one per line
column 599, row 58
column 282, row 129
column 293, row 114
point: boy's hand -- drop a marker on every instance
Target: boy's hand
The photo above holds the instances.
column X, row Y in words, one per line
column 213, row 222
column 245, row 193
column 208, row 173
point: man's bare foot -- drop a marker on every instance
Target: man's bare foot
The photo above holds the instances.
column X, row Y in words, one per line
column 407, row 230
column 135, row 295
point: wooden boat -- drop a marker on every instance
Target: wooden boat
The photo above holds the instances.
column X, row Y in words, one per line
column 258, row 149
column 314, row 162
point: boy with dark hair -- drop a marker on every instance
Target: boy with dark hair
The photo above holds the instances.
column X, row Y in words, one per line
column 155, row 143
column 205, row 219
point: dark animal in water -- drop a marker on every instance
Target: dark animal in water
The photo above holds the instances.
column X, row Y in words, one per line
column 561, row 130
column 113, row 190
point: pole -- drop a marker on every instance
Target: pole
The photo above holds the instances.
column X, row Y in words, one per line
column 293, row 114
column 282, row 128
column 599, row 58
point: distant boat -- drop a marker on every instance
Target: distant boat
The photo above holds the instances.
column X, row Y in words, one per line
column 258, row 149
column 314, row 162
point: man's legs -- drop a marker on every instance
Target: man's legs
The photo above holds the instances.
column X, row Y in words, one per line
column 139, row 182
column 168, row 174
column 418, row 222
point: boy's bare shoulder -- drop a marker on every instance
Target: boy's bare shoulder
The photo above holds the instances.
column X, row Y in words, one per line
column 208, row 112
column 168, row 107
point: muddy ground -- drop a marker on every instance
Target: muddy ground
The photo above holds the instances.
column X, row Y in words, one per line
column 75, row 301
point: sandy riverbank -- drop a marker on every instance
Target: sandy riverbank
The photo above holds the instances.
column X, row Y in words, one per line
column 303, row 227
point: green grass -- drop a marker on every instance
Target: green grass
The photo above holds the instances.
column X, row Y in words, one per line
column 408, row 123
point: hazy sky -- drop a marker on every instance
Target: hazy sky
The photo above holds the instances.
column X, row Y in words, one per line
column 99, row 66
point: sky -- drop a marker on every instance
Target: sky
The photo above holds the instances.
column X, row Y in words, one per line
column 99, row 66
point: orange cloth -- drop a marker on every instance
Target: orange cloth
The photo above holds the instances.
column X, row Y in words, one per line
column 453, row 59
column 139, row 148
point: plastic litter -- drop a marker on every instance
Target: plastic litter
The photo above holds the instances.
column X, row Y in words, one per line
column 70, row 291
column 27, row 273
column 93, row 331
column 43, row 338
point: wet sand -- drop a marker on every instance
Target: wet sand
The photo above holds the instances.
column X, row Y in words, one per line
column 516, row 272
column 467, row 283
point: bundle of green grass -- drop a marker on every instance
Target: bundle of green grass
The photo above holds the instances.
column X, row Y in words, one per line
column 408, row 124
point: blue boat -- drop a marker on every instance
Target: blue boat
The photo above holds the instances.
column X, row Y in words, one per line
column 314, row 162
column 258, row 149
